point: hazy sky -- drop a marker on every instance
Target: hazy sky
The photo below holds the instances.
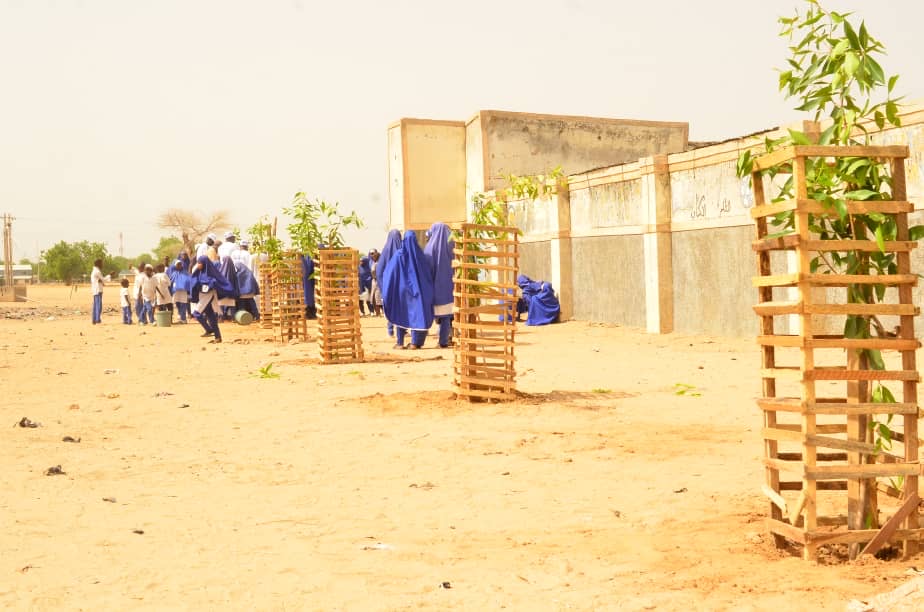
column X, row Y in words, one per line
column 112, row 111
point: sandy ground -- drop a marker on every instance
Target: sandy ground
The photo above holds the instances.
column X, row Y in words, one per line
column 366, row 487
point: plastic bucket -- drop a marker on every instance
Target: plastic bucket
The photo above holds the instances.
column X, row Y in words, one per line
column 163, row 318
column 242, row 317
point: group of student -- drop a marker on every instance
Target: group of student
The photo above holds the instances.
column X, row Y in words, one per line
column 215, row 286
column 415, row 285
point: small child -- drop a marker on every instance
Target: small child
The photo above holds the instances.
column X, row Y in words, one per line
column 126, row 301
column 148, row 291
column 182, row 285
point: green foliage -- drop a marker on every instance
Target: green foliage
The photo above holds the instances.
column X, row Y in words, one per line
column 833, row 72
column 533, row 187
column 169, row 246
column 267, row 372
column 601, row 390
column 264, row 240
column 318, row 223
column 685, row 389
column 71, row 261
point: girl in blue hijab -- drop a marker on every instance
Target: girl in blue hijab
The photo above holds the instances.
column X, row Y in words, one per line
column 311, row 311
column 209, row 286
column 408, row 292
column 392, row 244
column 365, row 285
column 439, row 255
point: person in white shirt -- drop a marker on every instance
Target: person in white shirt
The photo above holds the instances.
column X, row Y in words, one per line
column 125, row 301
column 148, row 295
column 96, row 288
column 242, row 255
column 136, row 290
column 164, row 300
column 228, row 247
column 203, row 248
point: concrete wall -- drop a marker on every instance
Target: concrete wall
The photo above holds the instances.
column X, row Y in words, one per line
column 712, row 281
column 432, row 168
column 395, row 171
column 536, row 260
column 527, row 144
column 609, row 285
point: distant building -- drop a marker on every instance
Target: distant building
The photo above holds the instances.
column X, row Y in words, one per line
column 22, row 274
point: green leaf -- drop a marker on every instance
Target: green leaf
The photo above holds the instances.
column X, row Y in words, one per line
column 892, row 81
column 826, row 135
column 851, row 35
column 841, row 207
column 799, row 138
column 860, row 194
column 880, row 240
column 840, row 48
column 875, row 360
column 851, row 63
column 892, row 113
column 916, row 232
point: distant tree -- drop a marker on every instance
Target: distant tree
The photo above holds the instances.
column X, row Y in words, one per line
column 190, row 227
column 169, row 246
column 70, row 261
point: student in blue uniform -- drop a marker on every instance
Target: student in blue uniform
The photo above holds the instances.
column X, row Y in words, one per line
column 392, row 244
column 439, row 256
column 408, row 292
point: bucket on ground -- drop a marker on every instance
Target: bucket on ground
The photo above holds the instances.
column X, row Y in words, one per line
column 163, row 318
column 243, row 317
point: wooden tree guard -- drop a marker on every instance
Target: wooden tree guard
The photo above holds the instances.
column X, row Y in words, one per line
column 484, row 313
column 287, row 301
column 799, row 417
column 264, row 275
column 337, row 300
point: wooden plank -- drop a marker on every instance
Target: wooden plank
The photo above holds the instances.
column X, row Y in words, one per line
column 786, row 372
column 840, row 373
column 882, row 344
column 890, row 246
column 819, row 456
column 821, row 485
column 820, row 538
column 797, row 509
column 862, row 309
column 782, row 340
column 785, row 154
column 785, row 530
column 775, row 498
column 836, row 280
column 869, row 470
column 770, row 309
column 781, row 404
column 862, row 408
column 775, row 280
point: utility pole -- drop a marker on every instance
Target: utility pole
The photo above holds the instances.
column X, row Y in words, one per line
column 121, row 253
column 8, row 249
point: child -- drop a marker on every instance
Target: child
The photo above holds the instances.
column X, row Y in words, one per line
column 126, row 301
column 162, row 289
column 182, row 283
column 148, row 294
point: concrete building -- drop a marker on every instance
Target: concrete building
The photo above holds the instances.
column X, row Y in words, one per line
column 434, row 167
column 649, row 231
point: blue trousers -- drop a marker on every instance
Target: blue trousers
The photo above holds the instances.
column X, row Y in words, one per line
column 417, row 337
column 391, row 328
column 208, row 319
column 139, row 308
column 445, row 323
column 147, row 313
column 97, row 308
column 127, row 315
column 182, row 309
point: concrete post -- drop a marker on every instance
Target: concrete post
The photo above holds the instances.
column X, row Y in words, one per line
column 659, row 274
column 560, row 247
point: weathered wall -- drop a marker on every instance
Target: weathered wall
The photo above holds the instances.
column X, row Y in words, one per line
column 536, row 260
column 524, row 143
column 609, row 283
column 395, row 171
column 431, row 167
column 712, row 281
